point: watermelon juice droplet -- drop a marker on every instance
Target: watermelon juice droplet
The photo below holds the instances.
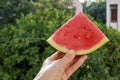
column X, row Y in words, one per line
column 88, row 36
column 65, row 28
column 79, row 38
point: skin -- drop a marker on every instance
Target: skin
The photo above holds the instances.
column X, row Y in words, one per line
column 60, row 66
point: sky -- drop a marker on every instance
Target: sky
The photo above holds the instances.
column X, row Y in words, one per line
column 85, row 0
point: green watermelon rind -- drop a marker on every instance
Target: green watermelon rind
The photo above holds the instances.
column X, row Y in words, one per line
column 79, row 52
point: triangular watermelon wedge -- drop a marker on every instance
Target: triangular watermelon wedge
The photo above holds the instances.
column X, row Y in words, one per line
column 78, row 34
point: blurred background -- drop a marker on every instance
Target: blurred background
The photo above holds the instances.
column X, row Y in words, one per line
column 25, row 25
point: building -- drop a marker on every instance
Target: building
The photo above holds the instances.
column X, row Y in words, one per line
column 78, row 5
column 113, row 14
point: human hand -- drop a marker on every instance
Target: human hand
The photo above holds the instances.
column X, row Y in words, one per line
column 60, row 66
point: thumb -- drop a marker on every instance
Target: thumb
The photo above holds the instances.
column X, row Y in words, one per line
column 70, row 55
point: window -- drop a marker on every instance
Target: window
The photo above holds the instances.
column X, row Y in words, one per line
column 113, row 13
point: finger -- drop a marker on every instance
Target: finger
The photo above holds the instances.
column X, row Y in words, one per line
column 67, row 58
column 73, row 61
column 76, row 65
column 56, row 55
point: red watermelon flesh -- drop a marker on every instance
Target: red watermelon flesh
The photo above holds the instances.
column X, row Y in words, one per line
column 78, row 34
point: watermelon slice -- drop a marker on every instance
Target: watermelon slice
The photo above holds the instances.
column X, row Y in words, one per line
column 78, row 34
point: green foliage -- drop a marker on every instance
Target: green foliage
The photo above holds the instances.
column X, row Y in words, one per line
column 102, row 64
column 113, row 62
column 23, row 46
column 97, row 10
column 12, row 9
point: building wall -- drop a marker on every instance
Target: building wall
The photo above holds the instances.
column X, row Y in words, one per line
column 78, row 5
column 115, row 25
column 119, row 15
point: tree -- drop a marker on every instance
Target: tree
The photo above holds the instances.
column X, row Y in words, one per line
column 23, row 46
column 12, row 9
column 96, row 10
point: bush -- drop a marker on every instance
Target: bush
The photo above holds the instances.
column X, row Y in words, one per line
column 111, row 51
column 102, row 64
column 23, row 47
column 12, row 9
column 97, row 10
